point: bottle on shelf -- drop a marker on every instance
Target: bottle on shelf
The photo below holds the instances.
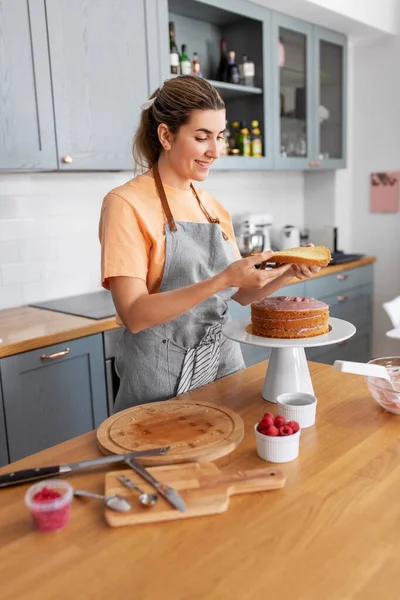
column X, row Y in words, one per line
column 244, row 141
column 185, row 65
column 173, row 50
column 196, row 65
column 256, row 140
column 227, row 139
column 233, row 141
column 222, row 73
column 233, row 70
column 246, row 71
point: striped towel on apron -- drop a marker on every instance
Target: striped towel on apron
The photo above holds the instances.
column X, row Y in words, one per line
column 200, row 365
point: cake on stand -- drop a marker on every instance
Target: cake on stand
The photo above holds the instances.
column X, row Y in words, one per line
column 287, row 369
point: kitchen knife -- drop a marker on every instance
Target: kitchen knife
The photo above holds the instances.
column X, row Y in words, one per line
column 171, row 495
column 32, row 474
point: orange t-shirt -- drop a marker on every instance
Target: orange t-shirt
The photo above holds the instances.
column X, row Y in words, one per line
column 132, row 223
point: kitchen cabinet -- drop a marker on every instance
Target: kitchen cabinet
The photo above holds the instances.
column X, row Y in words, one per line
column 99, row 77
column 309, row 76
column 3, row 436
column 27, row 136
column 300, row 93
column 53, row 394
column 349, row 295
column 246, row 28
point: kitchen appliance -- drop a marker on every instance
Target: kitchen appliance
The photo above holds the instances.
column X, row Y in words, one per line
column 205, row 489
column 96, row 305
column 285, row 237
column 252, row 233
column 37, row 473
column 328, row 236
column 195, row 430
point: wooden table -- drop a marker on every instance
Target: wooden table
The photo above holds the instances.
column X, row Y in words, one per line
column 333, row 532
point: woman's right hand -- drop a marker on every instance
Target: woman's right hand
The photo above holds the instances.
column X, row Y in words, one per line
column 242, row 273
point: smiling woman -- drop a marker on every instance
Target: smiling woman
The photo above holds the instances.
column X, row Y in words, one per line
column 169, row 254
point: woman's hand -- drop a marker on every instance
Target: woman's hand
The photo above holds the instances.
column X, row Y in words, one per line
column 304, row 271
column 243, row 274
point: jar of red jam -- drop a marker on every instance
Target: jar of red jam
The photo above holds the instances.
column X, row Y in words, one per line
column 50, row 504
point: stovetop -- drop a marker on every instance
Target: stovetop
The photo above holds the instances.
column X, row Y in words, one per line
column 96, row 305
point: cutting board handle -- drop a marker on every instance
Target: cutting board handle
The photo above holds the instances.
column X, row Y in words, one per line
column 243, row 482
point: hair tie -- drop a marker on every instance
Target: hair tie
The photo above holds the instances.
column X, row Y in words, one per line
column 146, row 105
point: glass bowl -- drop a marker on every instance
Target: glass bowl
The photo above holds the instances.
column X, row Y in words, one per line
column 381, row 390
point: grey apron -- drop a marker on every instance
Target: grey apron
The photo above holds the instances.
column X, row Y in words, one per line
column 190, row 351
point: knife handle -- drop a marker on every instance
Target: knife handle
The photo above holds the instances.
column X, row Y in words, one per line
column 27, row 475
column 243, row 482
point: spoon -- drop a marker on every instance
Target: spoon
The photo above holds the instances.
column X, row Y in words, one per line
column 144, row 498
column 379, row 371
column 115, row 502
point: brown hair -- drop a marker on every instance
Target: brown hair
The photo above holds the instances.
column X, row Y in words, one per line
column 173, row 104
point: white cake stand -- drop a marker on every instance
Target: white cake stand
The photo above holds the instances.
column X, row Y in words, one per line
column 287, row 367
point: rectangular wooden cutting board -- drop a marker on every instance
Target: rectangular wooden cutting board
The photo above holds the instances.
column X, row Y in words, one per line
column 204, row 488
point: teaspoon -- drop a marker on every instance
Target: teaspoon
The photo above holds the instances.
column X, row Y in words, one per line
column 115, row 502
column 144, row 498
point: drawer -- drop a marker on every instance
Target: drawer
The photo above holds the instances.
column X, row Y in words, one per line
column 354, row 306
column 337, row 283
column 358, row 348
column 296, row 289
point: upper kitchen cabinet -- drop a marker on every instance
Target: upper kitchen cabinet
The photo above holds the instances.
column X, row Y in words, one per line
column 292, row 106
column 27, row 139
column 201, row 25
column 309, row 108
column 99, row 75
column 330, row 51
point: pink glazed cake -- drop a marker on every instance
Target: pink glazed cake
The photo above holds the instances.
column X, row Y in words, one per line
column 289, row 317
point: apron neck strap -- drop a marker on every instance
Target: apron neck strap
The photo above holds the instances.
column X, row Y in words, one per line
column 163, row 198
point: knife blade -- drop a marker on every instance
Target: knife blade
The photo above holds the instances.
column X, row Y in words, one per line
column 25, row 475
column 169, row 493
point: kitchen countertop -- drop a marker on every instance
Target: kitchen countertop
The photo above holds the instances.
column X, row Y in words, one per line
column 332, row 532
column 27, row 328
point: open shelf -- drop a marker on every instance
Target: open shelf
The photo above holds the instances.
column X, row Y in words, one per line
column 233, row 90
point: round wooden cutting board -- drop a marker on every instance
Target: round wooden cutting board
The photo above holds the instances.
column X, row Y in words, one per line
column 196, row 431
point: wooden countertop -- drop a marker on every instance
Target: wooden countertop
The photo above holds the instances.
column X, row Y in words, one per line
column 27, row 328
column 332, row 532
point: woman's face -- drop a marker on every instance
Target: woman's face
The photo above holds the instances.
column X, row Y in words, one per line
column 197, row 144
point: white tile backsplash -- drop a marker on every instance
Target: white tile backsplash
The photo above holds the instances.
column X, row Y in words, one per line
column 49, row 244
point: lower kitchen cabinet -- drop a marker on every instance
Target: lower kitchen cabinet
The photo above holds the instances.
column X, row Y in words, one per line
column 3, row 438
column 52, row 394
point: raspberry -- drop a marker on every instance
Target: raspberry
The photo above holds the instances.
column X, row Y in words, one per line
column 266, row 421
column 279, row 421
column 272, row 430
column 294, row 425
column 268, row 415
column 285, row 430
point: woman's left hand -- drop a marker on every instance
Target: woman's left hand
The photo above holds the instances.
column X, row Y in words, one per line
column 304, row 271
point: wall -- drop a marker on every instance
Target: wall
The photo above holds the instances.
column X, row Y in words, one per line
column 376, row 147
column 48, row 225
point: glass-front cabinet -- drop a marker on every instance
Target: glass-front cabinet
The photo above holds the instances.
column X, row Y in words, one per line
column 292, row 83
column 330, row 51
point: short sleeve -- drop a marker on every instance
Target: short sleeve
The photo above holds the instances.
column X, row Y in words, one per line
column 124, row 247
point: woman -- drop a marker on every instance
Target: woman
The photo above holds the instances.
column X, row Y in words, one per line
column 169, row 255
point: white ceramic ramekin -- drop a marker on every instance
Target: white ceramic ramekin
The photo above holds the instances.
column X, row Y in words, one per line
column 298, row 406
column 278, row 449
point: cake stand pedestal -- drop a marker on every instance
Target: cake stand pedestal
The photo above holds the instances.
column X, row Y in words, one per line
column 287, row 369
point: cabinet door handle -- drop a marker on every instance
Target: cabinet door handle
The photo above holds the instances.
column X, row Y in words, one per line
column 55, row 355
column 317, row 163
column 311, row 163
column 341, row 277
column 67, row 160
column 342, row 298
